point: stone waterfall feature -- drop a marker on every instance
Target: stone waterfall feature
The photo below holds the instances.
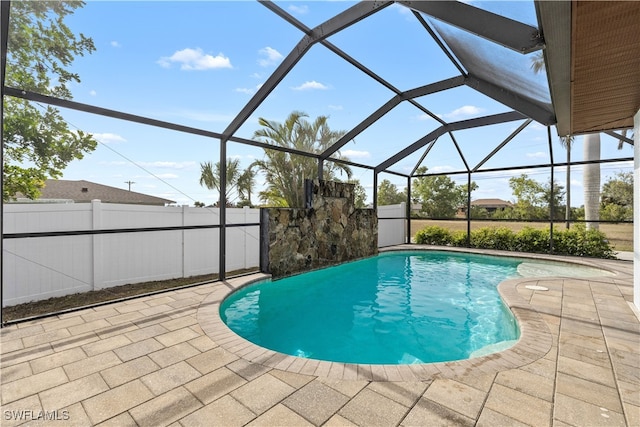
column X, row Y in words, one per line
column 329, row 231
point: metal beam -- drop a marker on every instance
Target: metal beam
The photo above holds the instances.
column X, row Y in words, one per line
column 388, row 106
column 465, row 124
column 555, row 24
column 5, row 8
column 299, row 25
column 439, row 42
column 502, row 144
column 337, row 23
column 411, row 149
column 424, row 155
column 511, row 99
column 506, row 32
column 73, row 105
column 620, row 137
column 455, row 143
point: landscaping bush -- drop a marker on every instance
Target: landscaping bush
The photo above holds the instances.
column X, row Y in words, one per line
column 433, row 235
column 532, row 240
column 500, row 238
column 459, row 239
column 577, row 241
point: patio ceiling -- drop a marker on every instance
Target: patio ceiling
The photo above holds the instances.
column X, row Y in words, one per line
column 597, row 87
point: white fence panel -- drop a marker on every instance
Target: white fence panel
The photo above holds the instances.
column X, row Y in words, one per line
column 40, row 268
column 37, row 268
column 392, row 225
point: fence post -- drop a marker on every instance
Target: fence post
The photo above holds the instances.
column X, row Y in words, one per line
column 185, row 211
column 97, row 247
column 245, row 220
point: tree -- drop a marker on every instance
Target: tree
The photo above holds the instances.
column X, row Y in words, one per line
column 617, row 198
column 237, row 180
column 439, row 195
column 284, row 172
column 529, row 201
column 360, row 194
column 532, row 199
column 39, row 144
column 246, row 182
column 537, row 62
column 388, row 194
column 557, row 199
column 567, row 143
column 537, row 65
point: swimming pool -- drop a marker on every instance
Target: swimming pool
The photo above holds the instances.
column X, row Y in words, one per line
column 396, row 308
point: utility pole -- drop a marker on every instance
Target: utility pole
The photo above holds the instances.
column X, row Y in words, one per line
column 129, row 182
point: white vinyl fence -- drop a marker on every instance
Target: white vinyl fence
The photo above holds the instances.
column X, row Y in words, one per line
column 392, row 230
column 37, row 268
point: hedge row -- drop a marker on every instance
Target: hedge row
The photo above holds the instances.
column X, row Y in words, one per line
column 577, row 241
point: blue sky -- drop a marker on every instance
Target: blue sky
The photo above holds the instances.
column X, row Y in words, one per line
column 198, row 63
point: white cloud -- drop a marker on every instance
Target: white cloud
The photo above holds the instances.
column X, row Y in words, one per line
column 93, row 93
column 424, row 117
column 462, row 113
column 336, row 107
column 300, row 10
column 270, row 57
column 312, row 85
column 248, row 90
column 195, row 59
column 108, row 138
column 115, row 44
column 576, row 183
column 355, row 154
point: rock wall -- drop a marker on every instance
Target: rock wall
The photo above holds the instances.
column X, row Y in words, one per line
column 330, row 231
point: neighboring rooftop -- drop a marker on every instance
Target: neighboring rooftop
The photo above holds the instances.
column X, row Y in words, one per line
column 61, row 190
column 496, row 203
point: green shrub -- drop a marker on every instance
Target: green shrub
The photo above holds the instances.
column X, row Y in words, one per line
column 500, row 238
column 459, row 239
column 532, row 240
column 433, row 235
column 577, row 241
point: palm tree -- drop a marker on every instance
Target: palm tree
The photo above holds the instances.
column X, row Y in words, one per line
column 210, row 177
column 538, row 65
column 245, row 184
column 591, row 180
column 567, row 142
column 537, row 62
column 285, row 172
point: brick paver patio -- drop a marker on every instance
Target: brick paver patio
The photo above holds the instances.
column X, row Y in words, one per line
column 167, row 359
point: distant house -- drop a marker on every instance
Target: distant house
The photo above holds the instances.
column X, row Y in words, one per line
column 491, row 205
column 65, row 191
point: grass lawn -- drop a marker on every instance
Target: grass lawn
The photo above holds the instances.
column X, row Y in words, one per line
column 620, row 235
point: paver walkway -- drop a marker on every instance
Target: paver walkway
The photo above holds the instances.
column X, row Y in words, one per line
column 165, row 360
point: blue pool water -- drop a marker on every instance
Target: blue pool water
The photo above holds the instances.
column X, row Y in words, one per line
column 395, row 308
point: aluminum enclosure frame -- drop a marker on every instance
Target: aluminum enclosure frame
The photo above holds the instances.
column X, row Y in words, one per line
column 511, row 34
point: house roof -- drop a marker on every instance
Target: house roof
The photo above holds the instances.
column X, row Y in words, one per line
column 490, row 202
column 85, row 191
